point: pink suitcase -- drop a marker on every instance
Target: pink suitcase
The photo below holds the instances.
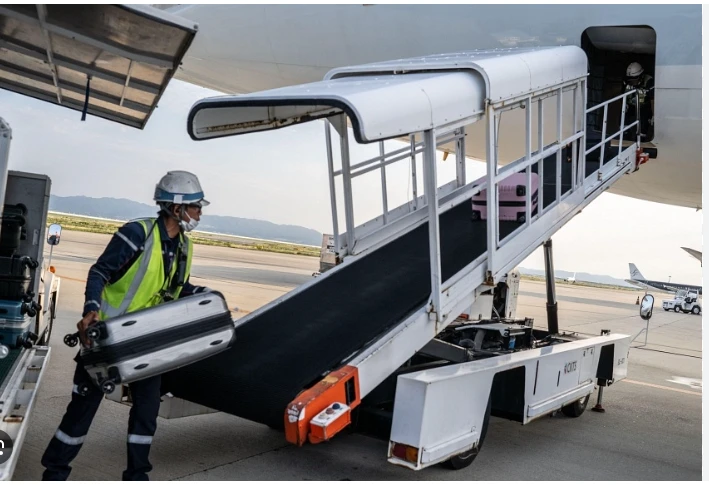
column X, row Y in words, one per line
column 512, row 199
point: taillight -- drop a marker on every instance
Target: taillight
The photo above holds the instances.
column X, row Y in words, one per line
column 406, row 453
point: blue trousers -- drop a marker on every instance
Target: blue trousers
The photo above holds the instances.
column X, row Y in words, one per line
column 85, row 401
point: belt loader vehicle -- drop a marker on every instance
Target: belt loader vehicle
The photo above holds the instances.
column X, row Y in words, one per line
column 412, row 334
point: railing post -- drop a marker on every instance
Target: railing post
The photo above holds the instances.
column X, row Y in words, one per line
column 603, row 134
column 540, row 148
column 431, row 189
column 460, row 157
column 528, row 155
column 347, row 184
column 333, row 195
column 622, row 128
column 559, row 138
column 584, row 100
column 574, row 144
column 412, row 142
column 491, row 155
column 385, row 204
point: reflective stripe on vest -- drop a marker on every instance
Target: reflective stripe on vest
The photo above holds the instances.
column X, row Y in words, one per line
column 144, row 284
column 641, row 88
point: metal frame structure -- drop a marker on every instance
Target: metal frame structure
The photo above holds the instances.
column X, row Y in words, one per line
column 429, row 110
column 502, row 255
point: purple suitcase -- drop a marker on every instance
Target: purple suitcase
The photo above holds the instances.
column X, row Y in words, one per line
column 512, row 199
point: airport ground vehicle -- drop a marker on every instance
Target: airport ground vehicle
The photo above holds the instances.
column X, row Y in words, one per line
column 683, row 301
column 416, row 321
column 22, row 366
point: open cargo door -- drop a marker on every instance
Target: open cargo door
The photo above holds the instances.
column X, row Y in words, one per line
column 110, row 61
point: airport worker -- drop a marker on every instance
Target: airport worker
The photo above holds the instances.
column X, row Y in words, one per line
column 636, row 78
column 147, row 262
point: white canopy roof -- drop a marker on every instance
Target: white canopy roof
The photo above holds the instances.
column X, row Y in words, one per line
column 390, row 99
column 508, row 73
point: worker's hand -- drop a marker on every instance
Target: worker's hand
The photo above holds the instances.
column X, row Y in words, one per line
column 84, row 323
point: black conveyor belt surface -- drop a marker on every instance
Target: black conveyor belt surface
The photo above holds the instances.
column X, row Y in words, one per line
column 289, row 347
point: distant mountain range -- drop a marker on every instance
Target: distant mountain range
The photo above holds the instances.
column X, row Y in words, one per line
column 124, row 210
column 590, row 278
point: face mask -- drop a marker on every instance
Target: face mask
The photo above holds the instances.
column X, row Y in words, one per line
column 189, row 225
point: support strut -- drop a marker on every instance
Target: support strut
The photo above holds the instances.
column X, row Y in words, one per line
column 552, row 309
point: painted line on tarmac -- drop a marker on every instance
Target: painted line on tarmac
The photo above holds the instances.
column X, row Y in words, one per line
column 71, row 279
column 666, row 388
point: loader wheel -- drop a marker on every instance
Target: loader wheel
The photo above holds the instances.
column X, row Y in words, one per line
column 677, row 309
column 463, row 460
column 576, row 409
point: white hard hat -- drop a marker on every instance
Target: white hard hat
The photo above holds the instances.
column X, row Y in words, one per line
column 180, row 187
column 634, row 70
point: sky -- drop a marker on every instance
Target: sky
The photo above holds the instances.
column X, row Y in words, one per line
column 281, row 176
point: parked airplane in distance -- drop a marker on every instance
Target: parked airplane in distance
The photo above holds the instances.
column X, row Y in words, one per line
column 637, row 278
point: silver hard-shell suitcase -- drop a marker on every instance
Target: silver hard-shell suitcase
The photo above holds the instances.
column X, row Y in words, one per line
column 156, row 340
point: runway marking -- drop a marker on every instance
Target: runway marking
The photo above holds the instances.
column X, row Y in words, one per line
column 657, row 386
column 686, row 381
column 71, row 279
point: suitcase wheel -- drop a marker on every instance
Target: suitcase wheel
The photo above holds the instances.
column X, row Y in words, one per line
column 28, row 341
column 71, row 340
column 108, row 387
column 93, row 333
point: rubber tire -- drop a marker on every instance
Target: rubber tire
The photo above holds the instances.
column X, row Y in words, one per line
column 698, row 310
column 465, row 459
column 677, row 309
column 576, row 408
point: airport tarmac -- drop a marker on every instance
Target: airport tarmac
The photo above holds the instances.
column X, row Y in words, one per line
column 650, row 431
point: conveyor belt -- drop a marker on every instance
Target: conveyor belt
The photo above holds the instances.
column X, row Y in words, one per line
column 290, row 346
